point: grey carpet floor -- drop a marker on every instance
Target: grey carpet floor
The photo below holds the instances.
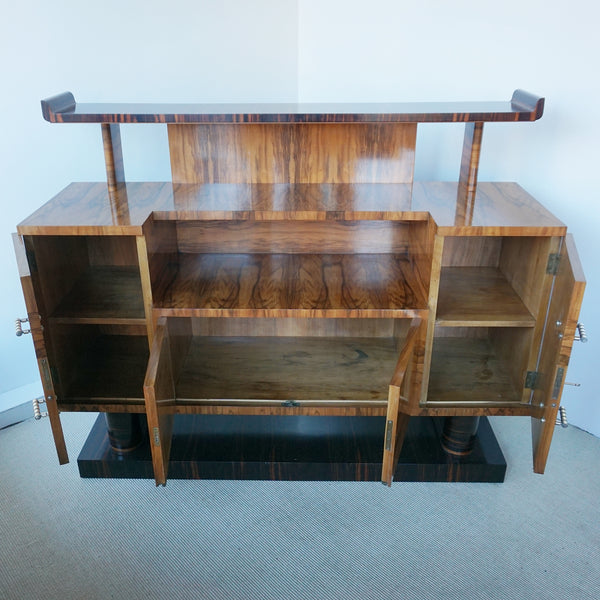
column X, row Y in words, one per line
column 532, row 537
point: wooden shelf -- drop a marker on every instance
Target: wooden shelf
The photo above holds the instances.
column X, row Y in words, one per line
column 312, row 370
column 104, row 295
column 467, row 371
column 110, row 371
column 522, row 107
column 479, row 297
column 294, row 285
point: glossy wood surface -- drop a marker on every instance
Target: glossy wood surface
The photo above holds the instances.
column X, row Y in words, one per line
column 287, row 448
column 159, row 394
column 292, row 153
column 63, row 108
column 39, row 343
column 294, row 285
column 85, row 208
column 469, row 166
column 301, row 237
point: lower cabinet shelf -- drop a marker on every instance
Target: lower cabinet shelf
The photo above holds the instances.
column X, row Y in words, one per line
column 106, row 372
column 306, row 370
column 487, row 370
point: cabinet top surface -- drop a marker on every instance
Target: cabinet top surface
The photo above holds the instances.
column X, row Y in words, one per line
column 90, row 209
column 63, row 108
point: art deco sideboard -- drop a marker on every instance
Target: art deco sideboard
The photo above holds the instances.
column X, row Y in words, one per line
column 294, row 267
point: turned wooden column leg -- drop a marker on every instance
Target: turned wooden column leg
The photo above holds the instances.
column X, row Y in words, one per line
column 458, row 435
column 125, row 431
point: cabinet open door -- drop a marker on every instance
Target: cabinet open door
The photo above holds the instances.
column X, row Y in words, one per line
column 159, row 393
column 34, row 315
column 559, row 334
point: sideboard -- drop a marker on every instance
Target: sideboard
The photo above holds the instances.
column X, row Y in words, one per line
column 294, row 267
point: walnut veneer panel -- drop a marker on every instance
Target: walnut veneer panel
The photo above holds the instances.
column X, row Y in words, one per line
column 86, row 208
column 294, row 285
column 291, row 153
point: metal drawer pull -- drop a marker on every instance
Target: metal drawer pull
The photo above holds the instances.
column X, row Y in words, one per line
column 37, row 413
column 19, row 331
column 561, row 417
column 581, row 336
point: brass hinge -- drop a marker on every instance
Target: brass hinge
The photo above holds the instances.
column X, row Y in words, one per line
column 531, row 379
column 389, row 428
column 560, row 373
column 46, row 375
column 553, row 264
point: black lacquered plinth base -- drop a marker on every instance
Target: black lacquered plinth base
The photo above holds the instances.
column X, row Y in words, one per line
column 296, row 449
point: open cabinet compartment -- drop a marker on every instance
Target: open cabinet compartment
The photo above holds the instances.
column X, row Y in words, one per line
column 273, row 366
column 88, row 279
column 100, row 367
column 231, row 268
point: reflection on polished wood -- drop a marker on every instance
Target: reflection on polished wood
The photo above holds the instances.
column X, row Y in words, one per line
column 292, row 153
column 288, row 285
column 85, row 208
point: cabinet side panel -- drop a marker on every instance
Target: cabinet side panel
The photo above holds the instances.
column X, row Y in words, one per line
column 471, row 251
column 523, row 262
column 293, row 153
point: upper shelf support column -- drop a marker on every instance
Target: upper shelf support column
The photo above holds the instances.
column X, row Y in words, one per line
column 467, row 182
column 113, row 155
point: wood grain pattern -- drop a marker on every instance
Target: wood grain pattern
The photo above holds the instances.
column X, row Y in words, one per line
column 113, row 156
column 479, row 297
column 563, row 315
column 302, row 327
column 395, row 421
column 500, row 209
column 471, row 251
column 468, row 371
column 159, row 394
column 297, row 237
column 469, row 166
column 34, row 312
column 294, row 285
column 359, row 153
column 317, row 371
column 63, row 108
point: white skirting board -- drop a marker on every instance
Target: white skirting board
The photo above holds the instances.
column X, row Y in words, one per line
column 15, row 405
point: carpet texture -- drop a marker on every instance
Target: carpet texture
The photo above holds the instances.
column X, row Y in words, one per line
column 532, row 537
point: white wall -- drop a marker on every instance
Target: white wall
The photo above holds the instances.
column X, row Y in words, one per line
column 270, row 50
column 133, row 51
column 471, row 50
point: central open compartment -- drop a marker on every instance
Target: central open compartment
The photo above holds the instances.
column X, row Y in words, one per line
column 333, row 269
column 288, row 363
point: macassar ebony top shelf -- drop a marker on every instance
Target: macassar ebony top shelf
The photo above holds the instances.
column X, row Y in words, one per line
column 523, row 106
